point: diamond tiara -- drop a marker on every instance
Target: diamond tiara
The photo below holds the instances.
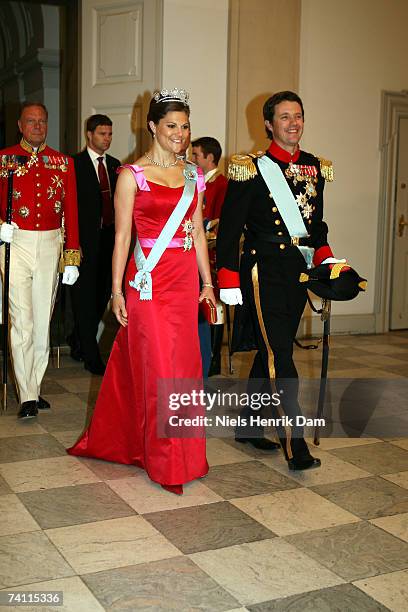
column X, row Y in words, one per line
column 171, row 95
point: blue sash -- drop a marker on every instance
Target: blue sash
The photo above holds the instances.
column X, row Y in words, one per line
column 285, row 202
column 143, row 278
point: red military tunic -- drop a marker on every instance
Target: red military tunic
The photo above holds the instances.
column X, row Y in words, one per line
column 44, row 195
column 215, row 190
column 214, row 195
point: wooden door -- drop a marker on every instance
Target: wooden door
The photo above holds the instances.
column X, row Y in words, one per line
column 399, row 288
column 121, row 67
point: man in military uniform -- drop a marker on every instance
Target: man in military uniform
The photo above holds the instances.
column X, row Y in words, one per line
column 277, row 201
column 43, row 228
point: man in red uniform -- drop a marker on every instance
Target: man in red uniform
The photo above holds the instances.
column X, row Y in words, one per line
column 44, row 226
column 206, row 153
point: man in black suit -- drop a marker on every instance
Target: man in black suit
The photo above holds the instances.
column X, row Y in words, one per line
column 96, row 181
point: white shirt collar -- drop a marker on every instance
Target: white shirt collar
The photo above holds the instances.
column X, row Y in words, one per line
column 94, row 155
column 210, row 174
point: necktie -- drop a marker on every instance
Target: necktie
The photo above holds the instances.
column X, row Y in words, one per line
column 107, row 208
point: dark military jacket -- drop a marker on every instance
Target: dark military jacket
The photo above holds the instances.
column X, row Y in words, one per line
column 249, row 208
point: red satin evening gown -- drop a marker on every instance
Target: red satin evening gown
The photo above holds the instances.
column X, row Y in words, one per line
column 159, row 342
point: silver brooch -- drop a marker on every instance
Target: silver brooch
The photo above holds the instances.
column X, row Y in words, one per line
column 190, row 174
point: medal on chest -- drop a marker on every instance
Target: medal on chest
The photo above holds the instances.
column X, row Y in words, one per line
column 307, row 176
column 55, row 162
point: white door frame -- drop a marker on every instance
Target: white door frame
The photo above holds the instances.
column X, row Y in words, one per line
column 394, row 105
column 121, row 84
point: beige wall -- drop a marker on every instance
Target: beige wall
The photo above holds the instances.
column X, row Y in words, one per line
column 349, row 52
column 195, row 34
column 263, row 58
column 229, row 83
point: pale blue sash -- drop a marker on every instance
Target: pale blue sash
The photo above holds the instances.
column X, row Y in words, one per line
column 143, row 278
column 285, row 202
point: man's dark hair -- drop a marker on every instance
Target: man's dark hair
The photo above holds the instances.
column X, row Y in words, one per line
column 28, row 104
column 209, row 145
column 273, row 101
column 94, row 120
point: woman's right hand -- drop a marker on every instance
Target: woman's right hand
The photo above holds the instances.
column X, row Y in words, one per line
column 119, row 309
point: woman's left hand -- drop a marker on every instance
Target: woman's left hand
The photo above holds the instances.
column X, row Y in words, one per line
column 208, row 292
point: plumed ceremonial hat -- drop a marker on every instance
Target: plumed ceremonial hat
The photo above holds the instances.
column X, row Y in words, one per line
column 334, row 281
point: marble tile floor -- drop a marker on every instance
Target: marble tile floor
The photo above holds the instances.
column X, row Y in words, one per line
column 250, row 536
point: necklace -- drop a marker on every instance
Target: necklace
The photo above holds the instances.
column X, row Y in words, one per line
column 156, row 163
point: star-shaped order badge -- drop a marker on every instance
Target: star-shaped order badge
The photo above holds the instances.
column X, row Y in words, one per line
column 57, row 181
column 188, row 227
column 301, row 199
column 51, row 192
column 307, row 210
column 310, row 189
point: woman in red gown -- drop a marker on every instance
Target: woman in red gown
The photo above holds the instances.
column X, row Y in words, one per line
column 158, row 338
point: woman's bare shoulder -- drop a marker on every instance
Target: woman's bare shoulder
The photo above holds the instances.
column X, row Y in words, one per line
column 141, row 162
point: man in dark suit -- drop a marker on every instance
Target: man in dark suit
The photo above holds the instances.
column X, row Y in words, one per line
column 96, row 180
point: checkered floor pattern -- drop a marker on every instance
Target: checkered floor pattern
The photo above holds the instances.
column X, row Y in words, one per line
column 250, row 536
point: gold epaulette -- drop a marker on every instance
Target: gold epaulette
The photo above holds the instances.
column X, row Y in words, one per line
column 326, row 168
column 241, row 168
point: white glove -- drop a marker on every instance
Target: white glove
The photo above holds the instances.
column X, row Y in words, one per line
column 231, row 296
column 333, row 260
column 70, row 275
column 7, row 231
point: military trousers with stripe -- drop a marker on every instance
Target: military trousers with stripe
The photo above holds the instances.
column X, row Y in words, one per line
column 275, row 301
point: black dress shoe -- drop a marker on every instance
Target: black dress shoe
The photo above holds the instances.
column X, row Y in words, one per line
column 28, row 410
column 75, row 352
column 260, row 443
column 215, row 366
column 96, row 368
column 42, row 404
column 304, row 463
column 301, row 458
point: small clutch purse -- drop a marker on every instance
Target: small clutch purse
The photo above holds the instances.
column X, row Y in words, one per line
column 209, row 311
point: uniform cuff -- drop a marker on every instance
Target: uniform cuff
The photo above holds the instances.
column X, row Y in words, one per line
column 321, row 254
column 72, row 257
column 227, row 279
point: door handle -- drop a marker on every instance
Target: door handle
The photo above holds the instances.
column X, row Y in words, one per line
column 401, row 224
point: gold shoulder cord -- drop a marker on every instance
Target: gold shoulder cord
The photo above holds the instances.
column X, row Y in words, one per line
column 326, row 168
column 241, row 168
column 61, row 264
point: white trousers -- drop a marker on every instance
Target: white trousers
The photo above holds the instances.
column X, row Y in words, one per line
column 34, row 257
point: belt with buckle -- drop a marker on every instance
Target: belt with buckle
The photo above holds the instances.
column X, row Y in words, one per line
column 289, row 240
